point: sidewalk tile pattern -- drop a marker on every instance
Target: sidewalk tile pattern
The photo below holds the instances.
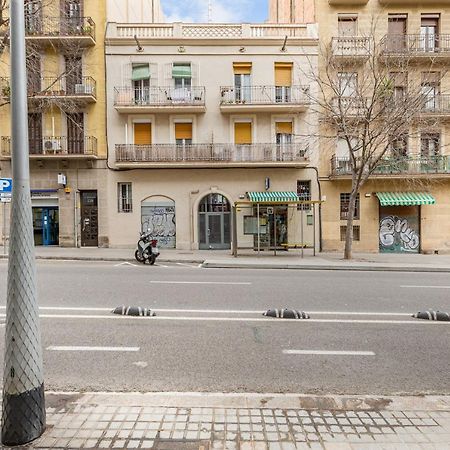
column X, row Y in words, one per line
column 83, row 426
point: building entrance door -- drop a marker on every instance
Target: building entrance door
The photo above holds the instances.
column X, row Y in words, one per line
column 46, row 226
column 214, row 223
column 89, row 219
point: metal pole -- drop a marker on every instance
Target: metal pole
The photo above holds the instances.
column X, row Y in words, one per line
column 275, row 231
column 259, row 232
column 314, row 228
column 301, row 229
column 23, row 415
column 4, row 228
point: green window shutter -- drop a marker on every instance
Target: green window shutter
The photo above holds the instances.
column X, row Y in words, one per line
column 140, row 72
column 181, row 71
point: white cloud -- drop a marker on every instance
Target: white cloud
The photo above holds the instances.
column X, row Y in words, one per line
column 226, row 11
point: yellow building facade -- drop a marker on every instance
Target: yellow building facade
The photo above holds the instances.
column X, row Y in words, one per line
column 420, row 33
column 66, row 121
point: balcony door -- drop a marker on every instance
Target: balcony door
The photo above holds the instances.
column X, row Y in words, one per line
column 242, row 82
column 429, row 33
column 33, row 74
column 74, row 74
column 397, row 26
column 243, row 141
column 71, row 16
column 75, row 133
column 35, row 133
column 284, row 141
column 283, row 82
column 183, row 138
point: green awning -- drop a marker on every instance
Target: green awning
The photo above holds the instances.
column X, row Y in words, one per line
column 278, row 197
column 405, row 198
column 140, row 72
column 181, row 71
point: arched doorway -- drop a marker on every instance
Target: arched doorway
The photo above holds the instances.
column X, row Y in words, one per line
column 214, row 222
column 158, row 217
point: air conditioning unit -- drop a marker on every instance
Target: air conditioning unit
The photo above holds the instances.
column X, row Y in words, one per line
column 52, row 146
column 84, row 89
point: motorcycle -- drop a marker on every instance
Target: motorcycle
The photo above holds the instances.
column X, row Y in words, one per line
column 147, row 249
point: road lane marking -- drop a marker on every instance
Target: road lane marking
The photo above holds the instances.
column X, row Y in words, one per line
column 327, row 352
column 126, row 263
column 425, row 287
column 228, row 283
column 81, row 348
column 241, row 319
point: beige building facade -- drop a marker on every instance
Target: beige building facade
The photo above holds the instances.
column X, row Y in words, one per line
column 199, row 115
column 420, row 33
column 66, row 122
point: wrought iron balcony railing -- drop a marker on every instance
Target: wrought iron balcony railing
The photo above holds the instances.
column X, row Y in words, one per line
column 159, row 96
column 264, row 95
column 438, row 104
column 212, row 152
column 416, row 44
column 65, row 85
column 37, row 26
column 351, row 46
column 55, row 146
column 410, row 165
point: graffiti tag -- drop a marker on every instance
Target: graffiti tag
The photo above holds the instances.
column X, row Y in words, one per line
column 396, row 234
column 160, row 223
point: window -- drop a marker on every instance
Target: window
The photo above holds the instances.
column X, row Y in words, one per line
column 399, row 81
column 125, row 200
column 183, row 133
column 397, row 26
column 283, row 133
column 304, row 193
column 182, row 75
column 140, row 76
column 356, row 233
column 283, row 82
column 430, row 90
column 347, row 26
column 430, row 144
column 429, row 32
column 345, row 202
column 399, row 147
column 242, row 81
column 348, row 84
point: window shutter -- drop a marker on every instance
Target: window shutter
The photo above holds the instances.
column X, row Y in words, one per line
column 181, row 70
column 242, row 68
column 242, row 132
column 283, row 74
column 168, row 80
column 140, row 71
column 154, row 74
column 142, row 133
column 126, row 74
column 183, row 130
column 283, row 127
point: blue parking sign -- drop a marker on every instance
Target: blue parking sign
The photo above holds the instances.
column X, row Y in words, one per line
column 5, row 185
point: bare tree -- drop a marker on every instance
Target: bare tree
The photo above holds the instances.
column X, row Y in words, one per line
column 370, row 100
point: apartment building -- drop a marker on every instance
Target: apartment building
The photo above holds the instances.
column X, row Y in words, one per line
column 66, row 120
column 201, row 116
column 405, row 205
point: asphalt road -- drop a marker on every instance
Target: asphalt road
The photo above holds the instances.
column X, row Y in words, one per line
column 209, row 334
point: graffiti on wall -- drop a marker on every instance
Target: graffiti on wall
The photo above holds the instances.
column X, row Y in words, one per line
column 160, row 222
column 398, row 234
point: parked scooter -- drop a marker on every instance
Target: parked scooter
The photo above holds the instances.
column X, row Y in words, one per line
column 147, row 249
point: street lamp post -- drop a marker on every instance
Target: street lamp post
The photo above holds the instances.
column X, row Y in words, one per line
column 23, row 415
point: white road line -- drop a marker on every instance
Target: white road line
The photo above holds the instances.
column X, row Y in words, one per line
column 202, row 282
column 78, row 348
column 240, row 319
column 162, row 265
column 425, row 287
column 125, row 264
column 326, row 352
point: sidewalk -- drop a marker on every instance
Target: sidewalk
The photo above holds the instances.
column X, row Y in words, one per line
column 266, row 260
column 198, row 421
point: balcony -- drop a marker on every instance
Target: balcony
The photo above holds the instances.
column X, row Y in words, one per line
column 211, row 155
column 60, row 30
column 53, row 147
column 234, row 99
column 351, row 49
column 349, row 107
column 159, row 99
column 416, row 46
column 413, row 165
column 64, row 88
column 437, row 107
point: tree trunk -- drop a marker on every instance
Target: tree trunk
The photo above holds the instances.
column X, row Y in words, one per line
column 349, row 231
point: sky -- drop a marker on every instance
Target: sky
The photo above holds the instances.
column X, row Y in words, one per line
column 221, row 10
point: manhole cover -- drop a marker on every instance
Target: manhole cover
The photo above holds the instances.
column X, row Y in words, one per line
column 171, row 444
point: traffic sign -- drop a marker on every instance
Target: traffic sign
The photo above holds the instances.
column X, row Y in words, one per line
column 5, row 199
column 5, row 185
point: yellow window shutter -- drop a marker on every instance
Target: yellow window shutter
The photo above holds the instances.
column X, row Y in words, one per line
column 242, row 68
column 284, row 127
column 142, row 133
column 242, row 133
column 183, row 131
column 283, row 74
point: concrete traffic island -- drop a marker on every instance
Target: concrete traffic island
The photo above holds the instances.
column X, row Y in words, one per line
column 243, row 421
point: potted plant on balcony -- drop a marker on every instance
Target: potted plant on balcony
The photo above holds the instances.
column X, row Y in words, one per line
column 6, row 91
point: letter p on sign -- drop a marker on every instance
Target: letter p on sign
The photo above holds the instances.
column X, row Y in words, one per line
column 5, row 185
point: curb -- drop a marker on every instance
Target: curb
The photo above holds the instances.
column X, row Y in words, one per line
column 109, row 259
